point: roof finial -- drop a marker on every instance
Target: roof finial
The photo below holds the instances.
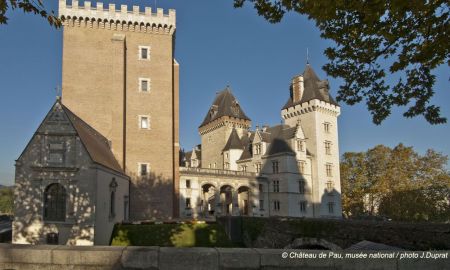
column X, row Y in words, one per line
column 307, row 56
column 58, row 92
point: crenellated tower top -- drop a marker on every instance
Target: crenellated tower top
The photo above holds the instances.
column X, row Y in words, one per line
column 123, row 19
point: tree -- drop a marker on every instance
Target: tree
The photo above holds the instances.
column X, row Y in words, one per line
column 28, row 6
column 408, row 39
column 398, row 183
column 6, row 200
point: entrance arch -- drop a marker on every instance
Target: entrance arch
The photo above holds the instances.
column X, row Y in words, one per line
column 244, row 200
column 208, row 201
column 226, row 199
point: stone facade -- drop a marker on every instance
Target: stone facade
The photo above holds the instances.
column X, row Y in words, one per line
column 119, row 70
column 290, row 169
column 66, row 152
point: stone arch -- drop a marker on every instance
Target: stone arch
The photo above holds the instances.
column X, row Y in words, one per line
column 208, row 199
column 227, row 195
column 313, row 243
column 244, row 199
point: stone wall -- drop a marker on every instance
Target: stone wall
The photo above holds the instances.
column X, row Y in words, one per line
column 20, row 257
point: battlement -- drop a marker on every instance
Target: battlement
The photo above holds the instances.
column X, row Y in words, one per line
column 133, row 18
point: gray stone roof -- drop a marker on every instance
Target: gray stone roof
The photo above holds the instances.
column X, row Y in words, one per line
column 314, row 88
column 279, row 135
column 234, row 142
column 96, row 144
column 247, row 144
column 225, row 104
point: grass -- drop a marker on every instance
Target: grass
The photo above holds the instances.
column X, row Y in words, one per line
column 170, row 235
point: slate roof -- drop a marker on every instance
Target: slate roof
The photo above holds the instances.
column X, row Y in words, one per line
column 234, row 142
column 96, row 144
column 278, row 143
column 314, row 88
column 225, row 104
column 247, row 144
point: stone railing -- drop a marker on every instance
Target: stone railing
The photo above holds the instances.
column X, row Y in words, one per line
column 192, row 170
column 98, row 257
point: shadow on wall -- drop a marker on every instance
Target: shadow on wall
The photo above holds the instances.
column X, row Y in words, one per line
column 329, row 204
column 39, row 213
column 151, row 197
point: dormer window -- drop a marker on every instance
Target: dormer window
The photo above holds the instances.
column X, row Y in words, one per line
column 258, row 149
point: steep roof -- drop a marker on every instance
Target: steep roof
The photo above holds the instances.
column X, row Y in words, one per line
column 314, row 88
column 225, row 104
column 279, row 135
column 96, row 144
column 233, row 142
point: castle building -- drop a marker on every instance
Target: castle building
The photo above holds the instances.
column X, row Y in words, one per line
column 108, row 150
column 120, row 76
column 291, row 169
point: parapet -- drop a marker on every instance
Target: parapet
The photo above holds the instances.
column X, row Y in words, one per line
column 107, row 16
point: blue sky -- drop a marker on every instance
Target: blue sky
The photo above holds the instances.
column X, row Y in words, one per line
column 216, row 45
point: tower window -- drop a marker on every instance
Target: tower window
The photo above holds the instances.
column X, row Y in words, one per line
column 188, row 183
column 301, row 187
column 258, row 167
column 328, row 147
column 261, row 188
column 329, row 169
column 144, row 122
column 144, row 52
column 144, row 84
column 276, row 205
column 301, row 166
column 330, row 187
column 331, row 207
column 300, row 146
column 144, row 169
column 276, row 186
column 244, row 168
column 275, row 166
column 303, row 205
column 261, row 205
column 326, row 127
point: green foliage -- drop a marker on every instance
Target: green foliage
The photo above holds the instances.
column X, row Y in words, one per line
column 407, row 39
column 28, row 6
column 253, row 227
column 6, row 200
column 397, row 183
column 170, row 235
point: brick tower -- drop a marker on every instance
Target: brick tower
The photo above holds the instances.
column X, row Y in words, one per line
column 120, row 76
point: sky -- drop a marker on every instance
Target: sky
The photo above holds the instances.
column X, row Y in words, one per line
column 216, row 46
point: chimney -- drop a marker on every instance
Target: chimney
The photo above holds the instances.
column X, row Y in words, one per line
column 297, row 88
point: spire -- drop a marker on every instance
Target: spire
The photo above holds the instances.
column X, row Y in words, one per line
column 233, row 142
column 307, row 56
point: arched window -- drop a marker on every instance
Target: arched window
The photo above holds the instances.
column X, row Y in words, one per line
column 55, row 203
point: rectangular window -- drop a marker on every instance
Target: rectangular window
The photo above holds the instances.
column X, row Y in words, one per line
column 244, row 168
column 188, row 183
column 276, row 186
column 301, row 167
column 227, row 166
column 275, row 166
column 258, row 149
column 326, row 127
column 276, row 205
column 303, row 205
column 144, row 53
column 330, row 187
column 144, row 84
column 301, row 186
column 328, row 147
column 258, row 167
column 261, row 188
column 143, row 169
column 261, row 205
column 300, row 146
column 188, row 203
column 329, row 169
column 56, row 153
column 331, row 207
column 144, row 122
